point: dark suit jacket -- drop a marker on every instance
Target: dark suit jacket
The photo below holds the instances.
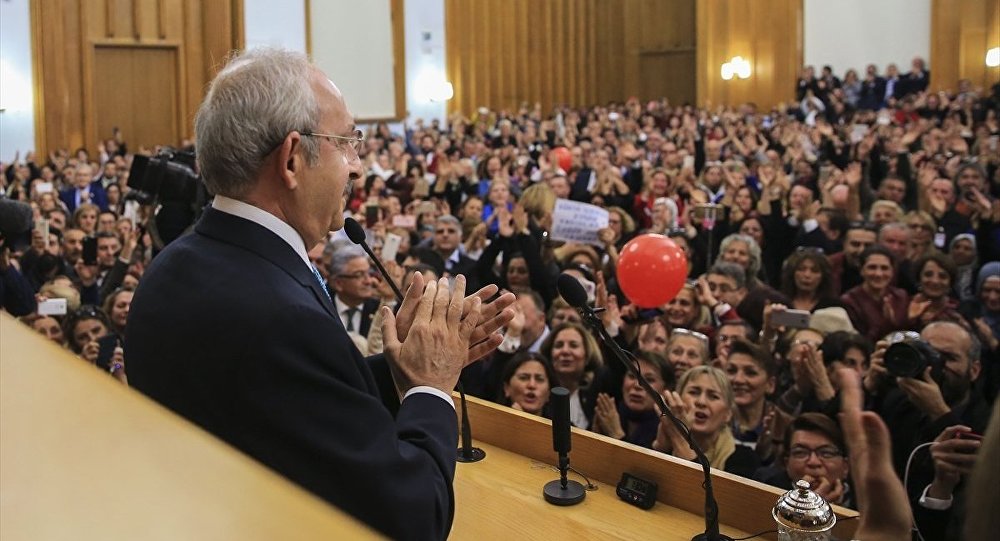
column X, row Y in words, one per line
column 579, row 191
column 231, row 330
column 97, row 196
column 368, row 310
column 466, row 266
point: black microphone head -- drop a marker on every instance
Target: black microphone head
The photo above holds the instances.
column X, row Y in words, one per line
column 15, row 217
column 559, row 398
column 571, row 290
column 354, row 231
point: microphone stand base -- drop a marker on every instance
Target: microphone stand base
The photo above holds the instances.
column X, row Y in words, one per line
column 475, row 455
column 557, row 495
column 704, row 537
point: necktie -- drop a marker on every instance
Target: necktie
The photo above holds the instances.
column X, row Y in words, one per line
column 350, row 318
column 319, row 278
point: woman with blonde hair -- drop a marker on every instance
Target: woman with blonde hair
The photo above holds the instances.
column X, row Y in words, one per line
column 884, row 212
column 922, row 228
column 539, row 201
column 85, row 218
column 704, row 401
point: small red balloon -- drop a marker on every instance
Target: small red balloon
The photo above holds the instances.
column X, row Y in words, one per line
column 562, row 157
column 651, row 270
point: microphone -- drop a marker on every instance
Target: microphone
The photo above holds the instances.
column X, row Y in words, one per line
column 357, row 235
column 466, row 453
column 572, row 291
column 562, row 491
column 15, row 217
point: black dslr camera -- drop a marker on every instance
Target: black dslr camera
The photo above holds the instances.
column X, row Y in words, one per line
column 908, row 356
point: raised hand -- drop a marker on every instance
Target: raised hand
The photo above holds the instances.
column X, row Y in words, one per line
column 925, row 394
column 606, row 419
column 883, row 504
column 485, row 338
column 876, row 367
column 436, row 346
column 954, row 458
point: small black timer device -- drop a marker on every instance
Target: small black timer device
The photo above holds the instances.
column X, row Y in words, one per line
column 638, row 492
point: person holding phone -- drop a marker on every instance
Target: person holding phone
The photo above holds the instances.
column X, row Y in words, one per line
column 938, row 510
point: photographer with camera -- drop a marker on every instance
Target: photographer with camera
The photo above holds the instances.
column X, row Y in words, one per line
column 922, row 384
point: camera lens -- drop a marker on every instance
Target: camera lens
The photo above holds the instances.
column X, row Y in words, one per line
column 904, row 360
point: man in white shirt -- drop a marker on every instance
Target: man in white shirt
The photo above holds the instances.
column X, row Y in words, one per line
column 234, row 329
column 353, row 288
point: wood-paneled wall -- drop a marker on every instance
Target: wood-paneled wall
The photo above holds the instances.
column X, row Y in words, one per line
column 961, row 33
column 501, row 53
column 583, row 52
column 140, row 65
column 767, row 32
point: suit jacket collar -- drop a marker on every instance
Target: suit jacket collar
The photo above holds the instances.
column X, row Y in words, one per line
column 261, row 241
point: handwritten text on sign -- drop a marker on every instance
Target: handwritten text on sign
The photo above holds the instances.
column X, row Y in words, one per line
column 573, row 221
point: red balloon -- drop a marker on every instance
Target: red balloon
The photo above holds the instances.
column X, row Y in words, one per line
column 562, row 157
column 651, row 270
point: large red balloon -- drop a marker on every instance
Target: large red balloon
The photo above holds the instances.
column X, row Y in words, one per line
column 651, row 270
column 562, row 157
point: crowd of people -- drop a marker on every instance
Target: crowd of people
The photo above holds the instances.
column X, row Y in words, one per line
column 873, row 206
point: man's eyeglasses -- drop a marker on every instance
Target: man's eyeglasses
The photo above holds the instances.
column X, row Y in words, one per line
column 686, row 332
column 827, row 452
column 359, row 275
column 356, row 140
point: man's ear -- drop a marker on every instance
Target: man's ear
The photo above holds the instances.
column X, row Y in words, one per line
column 289, row 161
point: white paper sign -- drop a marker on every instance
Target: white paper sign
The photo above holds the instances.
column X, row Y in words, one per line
column 573, row 221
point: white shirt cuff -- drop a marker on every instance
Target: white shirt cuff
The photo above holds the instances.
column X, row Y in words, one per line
column 934, row 503
column 810, row 225
column 721, row 309
column 430, row 390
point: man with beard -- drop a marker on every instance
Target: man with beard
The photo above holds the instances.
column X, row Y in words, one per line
column 917, row 410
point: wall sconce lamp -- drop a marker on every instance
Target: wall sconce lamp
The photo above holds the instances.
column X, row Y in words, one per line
column 993, row 57
column 444, row 92
column 738, row 67
column 432, row 86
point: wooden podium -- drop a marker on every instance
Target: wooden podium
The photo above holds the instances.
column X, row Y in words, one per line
column 82, row 457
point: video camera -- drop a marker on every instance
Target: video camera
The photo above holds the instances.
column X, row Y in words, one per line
column 168, row 177
column 169, row 182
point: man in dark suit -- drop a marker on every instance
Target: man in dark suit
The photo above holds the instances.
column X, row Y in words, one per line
column 872, row 90
column 353, row 285
column 84, row 190
column 447, row 243
column 233, row 329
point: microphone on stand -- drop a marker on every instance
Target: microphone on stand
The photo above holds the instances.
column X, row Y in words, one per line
column 562, row 491
column 357, row 235
column 466, row 453
column 574, row 294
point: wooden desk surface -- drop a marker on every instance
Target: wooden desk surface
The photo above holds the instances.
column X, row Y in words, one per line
column 82, row 457
column 501, row 498
column 506, row 485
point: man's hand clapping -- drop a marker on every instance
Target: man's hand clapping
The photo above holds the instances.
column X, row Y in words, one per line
column 434, row 350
